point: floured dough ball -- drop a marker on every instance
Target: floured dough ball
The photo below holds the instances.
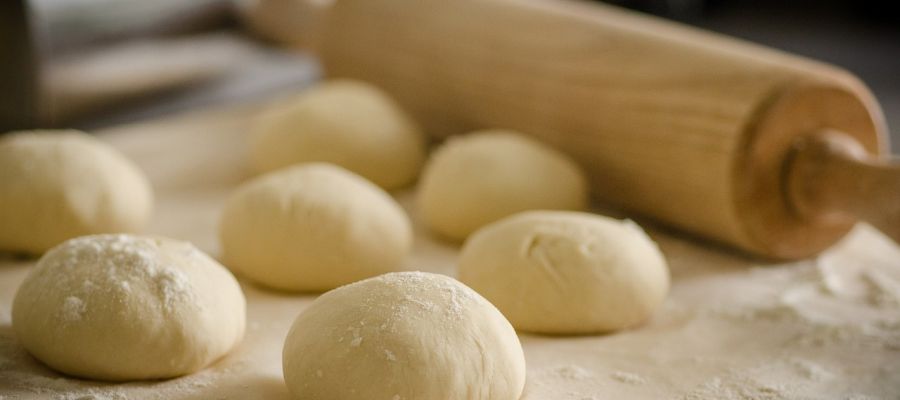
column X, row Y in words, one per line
column 348, row 123
column 403, row 336
column 566, row 272
column 122, row 307
column 56, row 185
column 479, row 178
column 313, row 227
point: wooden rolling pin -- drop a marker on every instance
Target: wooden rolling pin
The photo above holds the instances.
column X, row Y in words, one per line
column 774, row 154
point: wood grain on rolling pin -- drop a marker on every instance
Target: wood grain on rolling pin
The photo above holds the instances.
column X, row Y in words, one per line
column 685, row 126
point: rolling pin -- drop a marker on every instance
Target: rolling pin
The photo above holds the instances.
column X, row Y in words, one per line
column 771, row 153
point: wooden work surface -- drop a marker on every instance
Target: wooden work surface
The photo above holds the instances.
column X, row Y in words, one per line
column 732, row 327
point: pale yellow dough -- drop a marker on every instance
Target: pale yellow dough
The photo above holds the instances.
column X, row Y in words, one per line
column 313, row 227
column 403, row 336
column 122, row 307
column 57, row 185
column 348, row 123
column 566, row 272
column 478, row 178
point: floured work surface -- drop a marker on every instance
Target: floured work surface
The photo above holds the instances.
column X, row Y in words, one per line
column 732, row 328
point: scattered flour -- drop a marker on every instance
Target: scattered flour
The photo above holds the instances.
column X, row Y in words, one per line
column 736, row 388
column 629, row 378
column 859, row 397
column 569, row 372
column 883, row 291
column 812, row 371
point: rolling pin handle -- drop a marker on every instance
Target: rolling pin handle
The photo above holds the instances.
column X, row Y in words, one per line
column 829, row 176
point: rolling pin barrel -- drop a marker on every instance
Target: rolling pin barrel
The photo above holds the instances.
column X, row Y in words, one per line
column 674, row 123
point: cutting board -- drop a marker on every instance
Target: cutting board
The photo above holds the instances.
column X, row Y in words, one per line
column 731, row 328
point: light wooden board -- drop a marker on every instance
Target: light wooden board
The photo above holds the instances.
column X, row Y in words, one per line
column 732, row 328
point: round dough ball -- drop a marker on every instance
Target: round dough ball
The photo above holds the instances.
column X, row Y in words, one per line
column 313, row 227
column 566, row 272
column 403, row 336
column 57, row 185
column 348, row 123
column 122, row 307
column 479, row 178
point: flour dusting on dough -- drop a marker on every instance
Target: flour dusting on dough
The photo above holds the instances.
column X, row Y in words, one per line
column 73, row 308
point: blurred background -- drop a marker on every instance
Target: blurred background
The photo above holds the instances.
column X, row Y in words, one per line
column 94, row 63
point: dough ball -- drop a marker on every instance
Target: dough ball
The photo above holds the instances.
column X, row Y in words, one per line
column 122, row 307
column 348, row 123
column 403, row 336
column 57, row 185
column 313, row 227
column 566, row 272
column 479, row 178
